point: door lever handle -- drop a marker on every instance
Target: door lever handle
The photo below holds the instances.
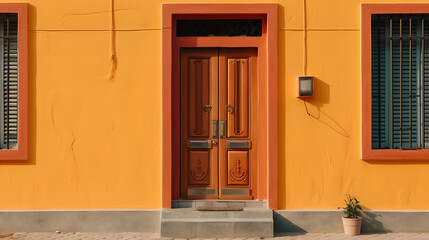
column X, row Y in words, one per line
column 214, row 142
column 215, row 129
column 222, row 130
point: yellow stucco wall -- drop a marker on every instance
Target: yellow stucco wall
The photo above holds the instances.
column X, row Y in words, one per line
column 95, row 141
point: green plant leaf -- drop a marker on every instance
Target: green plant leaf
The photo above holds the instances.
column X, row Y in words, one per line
column 352, row 206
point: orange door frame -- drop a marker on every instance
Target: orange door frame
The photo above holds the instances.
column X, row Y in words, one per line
column 267, row 89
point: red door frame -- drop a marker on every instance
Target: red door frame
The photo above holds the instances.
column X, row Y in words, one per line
column 267, row 89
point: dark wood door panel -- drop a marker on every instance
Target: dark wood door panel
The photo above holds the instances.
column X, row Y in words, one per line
column 238, row 98
column 199, row 107
column 218, row 123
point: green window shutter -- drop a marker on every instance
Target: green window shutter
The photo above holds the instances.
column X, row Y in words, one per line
column 398, row 116
column 425, row 71
column 404, row 96
column 379, row 88
column 9, row 76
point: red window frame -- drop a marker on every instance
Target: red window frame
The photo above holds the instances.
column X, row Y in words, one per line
column 22, row 152
column 367, row 152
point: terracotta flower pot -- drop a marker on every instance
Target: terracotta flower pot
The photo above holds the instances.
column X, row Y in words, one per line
column 352, row 226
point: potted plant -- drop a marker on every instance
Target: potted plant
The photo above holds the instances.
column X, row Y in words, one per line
column 352, row 222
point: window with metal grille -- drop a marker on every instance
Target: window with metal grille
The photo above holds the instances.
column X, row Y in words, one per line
column 400, row 81
column 9, row 80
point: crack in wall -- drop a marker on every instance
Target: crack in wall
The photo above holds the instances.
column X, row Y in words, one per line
column 72, row 150
column 113, row 58
column 97, row 12
column 52, row 115
column 75, row 175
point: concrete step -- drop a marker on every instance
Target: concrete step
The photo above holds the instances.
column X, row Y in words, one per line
column 189, row 223
column 219, row 203
column 183, row 213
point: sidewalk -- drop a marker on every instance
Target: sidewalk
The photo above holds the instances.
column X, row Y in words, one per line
column 137, row 236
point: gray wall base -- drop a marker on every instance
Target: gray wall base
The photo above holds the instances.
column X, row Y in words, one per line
column 81, row 221
column 329, row 221
column 301, row 221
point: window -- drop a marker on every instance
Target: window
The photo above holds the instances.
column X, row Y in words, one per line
column 13, row 81
column 400, row 81
column 9, row 77
column 395, row 81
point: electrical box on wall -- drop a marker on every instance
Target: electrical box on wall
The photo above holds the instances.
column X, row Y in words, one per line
column 305, row 86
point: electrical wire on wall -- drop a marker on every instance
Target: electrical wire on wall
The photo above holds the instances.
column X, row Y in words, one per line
column 306, row 109
column 113, row 60
column 304, row 45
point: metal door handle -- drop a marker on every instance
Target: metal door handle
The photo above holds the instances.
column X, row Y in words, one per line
column 222, row 130
column 215, row 130
column 214, row 142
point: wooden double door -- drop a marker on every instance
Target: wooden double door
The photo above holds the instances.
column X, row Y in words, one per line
column 218, row 123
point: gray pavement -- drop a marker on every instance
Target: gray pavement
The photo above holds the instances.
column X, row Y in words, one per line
column 136, row 236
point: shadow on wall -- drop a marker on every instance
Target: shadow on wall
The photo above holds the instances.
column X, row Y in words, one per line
column 370, row 224
column 321, row 97
column 322, row 94
column 396, row 162
column 283, row 225
column 281, row 111
column 315, row 221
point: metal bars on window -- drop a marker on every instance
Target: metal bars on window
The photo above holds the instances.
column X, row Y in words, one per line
column 9, row 77
column 400, row 81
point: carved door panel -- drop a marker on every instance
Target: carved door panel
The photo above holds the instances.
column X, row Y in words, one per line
column 199, row 111
column 218, row 121
column 237, row 107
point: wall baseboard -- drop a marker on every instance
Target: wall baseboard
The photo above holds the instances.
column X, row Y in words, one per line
column 329, row 221
column 81, row 221
column 300, row 221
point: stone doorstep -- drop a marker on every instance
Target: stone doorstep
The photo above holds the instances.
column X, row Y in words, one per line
column 216, row 220
column 189, row 213
column 219, row 209
column 216, row 228
column 189, row 223
column 219, row 203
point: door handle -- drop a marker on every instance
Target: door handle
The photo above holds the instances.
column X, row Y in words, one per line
column 222, row 128
column 215, row 130
column 214, row 142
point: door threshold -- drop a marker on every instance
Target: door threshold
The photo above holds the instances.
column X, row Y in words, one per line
column 216, row 209
column 263, row 204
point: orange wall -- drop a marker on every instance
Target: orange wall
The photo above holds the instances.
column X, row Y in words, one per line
column 320, row 155
column 95, row 141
